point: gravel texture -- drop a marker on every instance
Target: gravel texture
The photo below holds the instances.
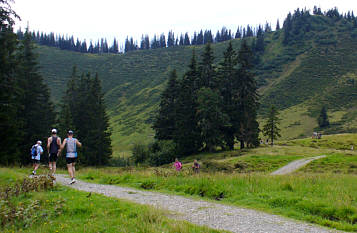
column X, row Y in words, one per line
column 213, row 215
column 295, row 165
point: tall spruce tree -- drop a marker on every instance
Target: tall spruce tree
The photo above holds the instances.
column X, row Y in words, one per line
column 228, row 87
column 259, row 46
column 83, row 110
column 206, row 68
column 10, row 124
column 187, row 135
column 246, row 99
column 165, row 122
column 99, row 141
column 210, row 118
column 38, row 111
column 271, row 129
column 322, row 120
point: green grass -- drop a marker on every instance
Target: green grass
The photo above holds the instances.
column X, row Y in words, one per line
column 67, row 210
column 337, row 141
column 325, row 199
column 337, row 163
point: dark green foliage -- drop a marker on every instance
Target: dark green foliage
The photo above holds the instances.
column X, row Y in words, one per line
column 259, row 46
column 322, row 120
column 25, row 99
column 162, row 152
column 165, row 123
column 206, row 69
column 211, row 108
column 10, row 124
column 246, row 98
column 37, row 114
column 228, row 88
column 271, row 129
column 156, row 154
column 140, row 153
column 187, row 136
column 83, row 110
column 211, row 118
column 277, row 25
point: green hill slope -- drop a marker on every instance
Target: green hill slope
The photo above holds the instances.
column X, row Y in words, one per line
column 317, row 67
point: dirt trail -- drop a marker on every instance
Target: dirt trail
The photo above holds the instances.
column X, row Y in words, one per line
column 211, row 214
column 295, row 165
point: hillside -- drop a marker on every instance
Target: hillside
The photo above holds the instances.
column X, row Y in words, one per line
column 316, row 67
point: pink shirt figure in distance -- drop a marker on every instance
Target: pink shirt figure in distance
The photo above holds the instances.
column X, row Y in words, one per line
column 177, row 165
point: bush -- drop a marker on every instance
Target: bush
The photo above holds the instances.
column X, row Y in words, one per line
column 119, row 162
column 17, row 214
column 162, row 152
column 140, row 153
column 156, row 154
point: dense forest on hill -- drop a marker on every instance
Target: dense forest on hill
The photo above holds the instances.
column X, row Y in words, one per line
column 307, row 63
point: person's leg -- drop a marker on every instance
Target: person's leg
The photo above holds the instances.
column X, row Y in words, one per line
column 36, row 166
column 33, row 167
column 53, row 167
column 73, row 169
column 70, row 171
column 50, row 166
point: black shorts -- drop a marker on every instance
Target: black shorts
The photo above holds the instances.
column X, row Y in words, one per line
column 71, row 160
column 35, row 161
column 53, row 157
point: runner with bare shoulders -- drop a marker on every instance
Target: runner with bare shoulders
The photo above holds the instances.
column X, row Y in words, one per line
column 53, row 149
column 71, row 154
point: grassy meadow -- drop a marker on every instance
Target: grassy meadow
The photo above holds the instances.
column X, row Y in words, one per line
column 323, row 192
column 63, row 209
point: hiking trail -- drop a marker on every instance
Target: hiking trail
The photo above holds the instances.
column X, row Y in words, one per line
column 295, row 165
column 200, row 212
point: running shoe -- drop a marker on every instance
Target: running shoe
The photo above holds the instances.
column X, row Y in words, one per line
column 72, row 181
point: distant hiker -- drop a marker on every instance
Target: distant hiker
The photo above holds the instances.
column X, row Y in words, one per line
column 177, row 165
column 36, row 151
column 53, row 149
column 196, row 166
column 352, row 147
column 71, row 155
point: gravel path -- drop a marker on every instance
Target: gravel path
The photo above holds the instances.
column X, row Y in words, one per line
column 295, row 165
column 213, row 215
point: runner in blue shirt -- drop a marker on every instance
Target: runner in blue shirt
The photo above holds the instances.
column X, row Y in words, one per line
column 36, row 158
column 71, row 155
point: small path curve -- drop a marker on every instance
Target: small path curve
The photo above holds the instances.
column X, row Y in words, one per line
column 295, row 165
column 213, row 215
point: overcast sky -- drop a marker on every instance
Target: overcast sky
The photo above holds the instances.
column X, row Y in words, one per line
column 90, row 20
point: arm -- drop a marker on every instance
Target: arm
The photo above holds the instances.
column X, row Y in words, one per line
column 59, row 146
column 78, row 143
column 63, row 144
column 49, row 140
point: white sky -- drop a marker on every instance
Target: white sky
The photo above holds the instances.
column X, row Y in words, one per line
column 90, row 20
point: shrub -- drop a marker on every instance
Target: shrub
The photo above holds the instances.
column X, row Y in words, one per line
column 140, row 153
column 162, row 152
column 119, row 162
column 20, row 215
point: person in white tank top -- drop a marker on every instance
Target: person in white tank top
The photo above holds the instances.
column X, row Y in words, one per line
column 71, row 144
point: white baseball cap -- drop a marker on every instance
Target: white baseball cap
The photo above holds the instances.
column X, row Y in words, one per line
column 39, row 142
column 54, row 131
